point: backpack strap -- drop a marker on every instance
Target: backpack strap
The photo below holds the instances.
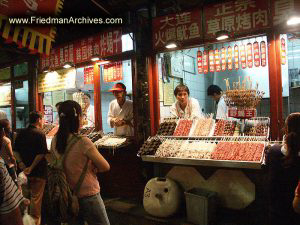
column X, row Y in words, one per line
column 73, row 141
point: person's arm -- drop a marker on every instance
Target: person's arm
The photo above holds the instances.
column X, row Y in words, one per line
column 110, row 117
column 36, row 160
column 98, row 160
column 9, row 152
column 173, row 110
column 296, row 201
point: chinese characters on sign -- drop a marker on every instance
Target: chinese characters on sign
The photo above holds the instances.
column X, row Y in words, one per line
column 183, row 27
column 113, row 72
column 239, row 16
column 104, row 44
column 89, row 75
column 283, row 9
column 283, row 51
column 241, row 113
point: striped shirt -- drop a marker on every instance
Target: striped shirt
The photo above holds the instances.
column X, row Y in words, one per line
column 10, row 195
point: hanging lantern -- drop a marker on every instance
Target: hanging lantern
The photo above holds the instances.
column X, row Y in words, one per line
column 217, row 60
column 199, row 62
column 211, row 61
column 263, row 53
column 283, row 52
column 223, row 58
column 205, row 62
column 249, row 55
column 236, row 57
column 256, row 54
column 243, row 57
column 229, row 57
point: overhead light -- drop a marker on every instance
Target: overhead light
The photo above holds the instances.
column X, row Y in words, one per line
column 222, row 35
column 294, row 20
column 103, row 62
column 67, row 65
column 171, row 45
column 95, row 58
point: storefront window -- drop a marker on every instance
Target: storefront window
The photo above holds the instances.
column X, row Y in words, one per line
column 290, row 68
column 107, row 83
column 5, row 73
column 181, row 67
column 21, row 69
column 22, row 104
column 5, row 99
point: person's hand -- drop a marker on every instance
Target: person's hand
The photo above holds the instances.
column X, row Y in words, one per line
column 13, row 161
column 120, row 123
column 27, row 170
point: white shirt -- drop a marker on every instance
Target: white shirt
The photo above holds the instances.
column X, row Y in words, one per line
column 191, row 111
column 126, row 113
column 3, row 115
column 222, row 109
column 90, row 116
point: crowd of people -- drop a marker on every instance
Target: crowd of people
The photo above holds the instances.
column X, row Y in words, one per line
column 28, row 152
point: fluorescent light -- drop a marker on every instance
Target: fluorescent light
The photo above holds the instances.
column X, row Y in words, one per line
column 103, row 62
column 222, row 37
column 293, row 20
column 67, row 66
column 94, row 59
column 171, row 45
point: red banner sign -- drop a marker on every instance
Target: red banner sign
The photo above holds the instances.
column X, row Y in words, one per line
column 182, row 27
column 243, row 56
column 263, row 52
column 223, row 58
column 199, row 62
column 238, row 17
column 283, row 51
column 211, row 61
column 282, row 10
column 89, row 75
column 229, row 56
column 37, row 36
column 112, row 72
column 249, row 55
column 205, row 62
column 241, row 113
column 104, row 44
column 236, row 57
column 256, row 54
column 217, row 60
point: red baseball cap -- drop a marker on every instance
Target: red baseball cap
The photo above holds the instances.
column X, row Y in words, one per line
column 117, row 87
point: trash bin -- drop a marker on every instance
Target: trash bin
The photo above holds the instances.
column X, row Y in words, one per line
column 200, row 206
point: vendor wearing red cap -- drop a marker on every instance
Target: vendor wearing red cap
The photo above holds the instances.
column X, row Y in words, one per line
column 120, row 114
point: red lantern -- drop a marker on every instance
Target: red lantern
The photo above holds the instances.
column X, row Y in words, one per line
column 223, row 58
column 217, row 60
column 199, row 62
column 236, row 57
column 256, row 54
column 283, row 52
column 211, row 61
column 205, row 62
column 263, row 53
column 243, row 57
column 249, row 55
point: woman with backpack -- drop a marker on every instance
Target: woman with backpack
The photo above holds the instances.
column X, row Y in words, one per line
column 80, row 159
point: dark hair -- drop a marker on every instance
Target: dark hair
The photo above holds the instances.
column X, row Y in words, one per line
column 213, row 89
column 292, row 138
column 68, row 123
column 181, row 87
column 34, row 116
column 5, row 124
column 87, row 94
column 58, row 104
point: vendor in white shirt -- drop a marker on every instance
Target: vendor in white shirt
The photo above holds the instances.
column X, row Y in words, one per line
column 215, row 92
column 185, row 107
column 88, row 111
column 120, row 114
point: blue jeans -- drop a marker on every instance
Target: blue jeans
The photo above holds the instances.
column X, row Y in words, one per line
column 91, row 210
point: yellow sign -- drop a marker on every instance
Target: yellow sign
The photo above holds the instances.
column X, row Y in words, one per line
column 57, row 80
